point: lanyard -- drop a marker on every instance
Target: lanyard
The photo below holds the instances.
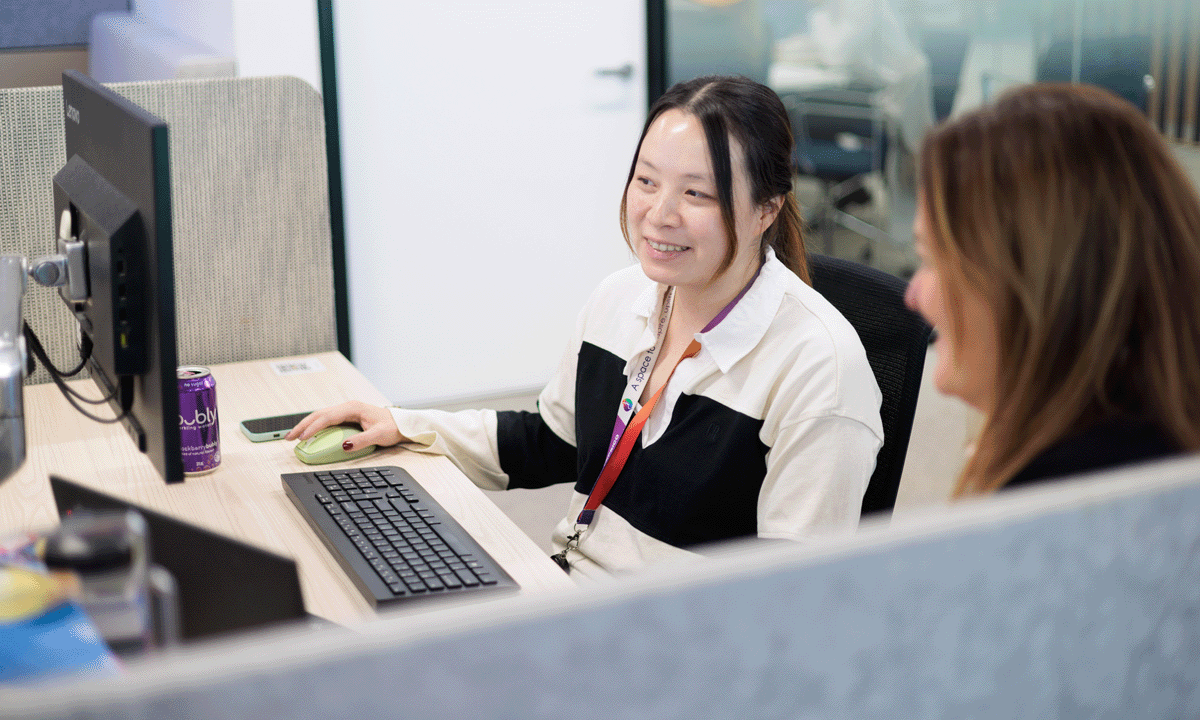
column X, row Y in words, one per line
column 625, row 433
column 640, row 376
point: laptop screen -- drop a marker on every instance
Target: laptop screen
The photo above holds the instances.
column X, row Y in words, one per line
column 224, row 585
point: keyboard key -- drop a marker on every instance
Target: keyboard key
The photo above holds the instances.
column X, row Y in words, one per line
column 460, row 548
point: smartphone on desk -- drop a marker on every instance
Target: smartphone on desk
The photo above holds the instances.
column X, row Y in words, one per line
column 270, row 428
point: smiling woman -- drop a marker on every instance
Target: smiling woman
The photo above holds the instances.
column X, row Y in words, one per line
column 709, row 392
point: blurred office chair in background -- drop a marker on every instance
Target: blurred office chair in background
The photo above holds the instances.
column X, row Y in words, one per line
column 896, row 340
column 841, row 138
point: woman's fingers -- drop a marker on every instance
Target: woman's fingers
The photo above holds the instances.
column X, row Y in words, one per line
column 377, row 424
column 321, row 419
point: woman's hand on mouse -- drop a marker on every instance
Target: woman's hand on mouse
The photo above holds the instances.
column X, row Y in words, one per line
column 378, row 427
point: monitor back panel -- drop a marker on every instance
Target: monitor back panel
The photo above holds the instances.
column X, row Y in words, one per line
column 225, row 585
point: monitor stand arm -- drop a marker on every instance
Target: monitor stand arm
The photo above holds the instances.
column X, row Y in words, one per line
column 67, row 270
column 12, row 365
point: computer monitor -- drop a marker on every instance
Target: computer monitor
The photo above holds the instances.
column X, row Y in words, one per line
column 116, row 186
column 224, row 585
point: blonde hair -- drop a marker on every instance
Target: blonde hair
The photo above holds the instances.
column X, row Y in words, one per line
column 1065, row 210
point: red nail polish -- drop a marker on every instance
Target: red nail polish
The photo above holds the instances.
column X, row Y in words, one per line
column 347, row 446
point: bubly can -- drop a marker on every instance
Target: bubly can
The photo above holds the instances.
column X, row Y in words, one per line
column 199, row 434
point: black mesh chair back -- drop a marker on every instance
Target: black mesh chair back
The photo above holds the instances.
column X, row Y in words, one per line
column 896, row 340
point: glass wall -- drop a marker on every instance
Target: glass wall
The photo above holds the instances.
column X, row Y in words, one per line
column 864, row 79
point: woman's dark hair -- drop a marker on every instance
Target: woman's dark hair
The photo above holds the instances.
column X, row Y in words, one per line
column 754, row 115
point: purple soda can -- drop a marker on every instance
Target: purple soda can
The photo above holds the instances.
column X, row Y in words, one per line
column 199, row 434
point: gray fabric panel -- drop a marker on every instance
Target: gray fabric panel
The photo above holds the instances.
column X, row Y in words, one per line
column 253, row 259
column 253, row 255
column 32, row 149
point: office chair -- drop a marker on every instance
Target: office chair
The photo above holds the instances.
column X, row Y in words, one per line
column 841, row 137
column 896, row 340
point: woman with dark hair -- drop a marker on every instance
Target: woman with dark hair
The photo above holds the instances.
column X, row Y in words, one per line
column 1061, row 250
column 709, row 392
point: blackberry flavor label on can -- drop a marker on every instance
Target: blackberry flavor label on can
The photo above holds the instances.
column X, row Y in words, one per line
column 199, row 430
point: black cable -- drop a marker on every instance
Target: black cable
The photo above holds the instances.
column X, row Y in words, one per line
column 85, row 353
column 57, row 376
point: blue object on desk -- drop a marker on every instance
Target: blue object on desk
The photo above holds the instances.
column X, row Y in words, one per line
column 44, row 636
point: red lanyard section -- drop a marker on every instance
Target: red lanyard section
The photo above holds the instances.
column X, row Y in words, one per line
column 616, row 461
column 619, row 454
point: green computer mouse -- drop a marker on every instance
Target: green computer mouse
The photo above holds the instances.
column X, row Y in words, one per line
column 326, row 446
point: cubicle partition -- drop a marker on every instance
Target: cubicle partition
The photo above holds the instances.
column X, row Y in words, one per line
column 1073, row 600
column 253, row 254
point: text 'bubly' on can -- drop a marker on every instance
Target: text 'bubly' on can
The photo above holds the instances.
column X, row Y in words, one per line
column 199, row 433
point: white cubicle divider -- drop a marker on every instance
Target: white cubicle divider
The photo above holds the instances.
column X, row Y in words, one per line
column 1077, row 600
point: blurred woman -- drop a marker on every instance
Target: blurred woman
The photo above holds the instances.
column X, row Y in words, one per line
column 1060, row 243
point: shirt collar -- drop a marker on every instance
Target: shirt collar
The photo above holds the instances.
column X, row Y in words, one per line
column 741, row 329
column 747, row 323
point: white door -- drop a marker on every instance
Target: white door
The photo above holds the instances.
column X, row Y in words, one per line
column 484, row 151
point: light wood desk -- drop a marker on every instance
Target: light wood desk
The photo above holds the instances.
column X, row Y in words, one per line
column 244, row 497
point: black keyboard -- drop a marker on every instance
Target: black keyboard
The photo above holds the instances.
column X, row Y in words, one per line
column 393, row 540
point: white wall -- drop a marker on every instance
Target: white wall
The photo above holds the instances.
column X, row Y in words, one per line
column 483, row 162
column 276, row 37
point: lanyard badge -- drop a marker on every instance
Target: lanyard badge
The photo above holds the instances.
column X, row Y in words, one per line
column 625, row 433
